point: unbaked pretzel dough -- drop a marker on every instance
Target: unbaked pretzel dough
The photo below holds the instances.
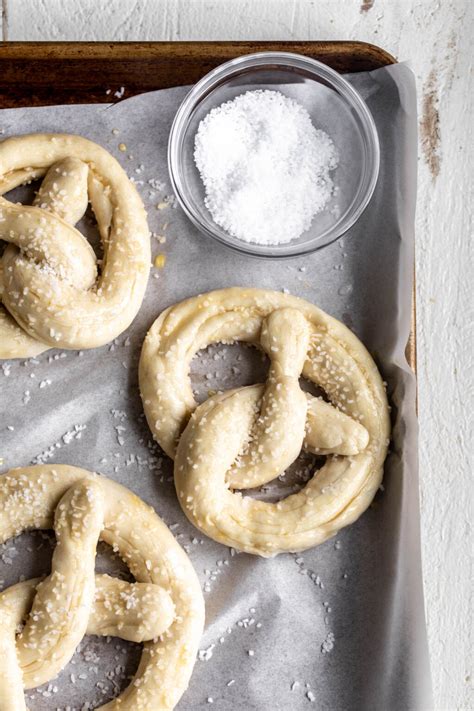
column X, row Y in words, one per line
column 49, row 284
column 248, row 436
column 164, row 608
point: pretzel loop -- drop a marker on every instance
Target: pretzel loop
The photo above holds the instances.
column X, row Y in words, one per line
column 248, row 436
column 164, row 608
column 50, row 286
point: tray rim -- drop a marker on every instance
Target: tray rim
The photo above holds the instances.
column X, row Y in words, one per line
column 121, row 50
column 138, row 51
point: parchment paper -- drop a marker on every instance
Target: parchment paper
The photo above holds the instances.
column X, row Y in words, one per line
column 339, row 627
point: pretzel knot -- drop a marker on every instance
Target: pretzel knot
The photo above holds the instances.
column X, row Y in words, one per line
column 164, row 608
column 49, row 282
column 248, row 436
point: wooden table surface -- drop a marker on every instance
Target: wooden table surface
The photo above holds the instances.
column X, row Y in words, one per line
column 434, row 36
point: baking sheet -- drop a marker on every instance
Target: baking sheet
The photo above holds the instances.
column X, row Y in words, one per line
column 340, row 626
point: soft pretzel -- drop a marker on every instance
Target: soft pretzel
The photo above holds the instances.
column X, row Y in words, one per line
column 248, row 436
column 164, row 608
column 49, row 282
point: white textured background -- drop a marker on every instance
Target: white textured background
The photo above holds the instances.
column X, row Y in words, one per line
column 435, row 35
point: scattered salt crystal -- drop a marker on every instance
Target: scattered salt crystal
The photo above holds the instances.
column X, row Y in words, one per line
column 205, row 654
column 156, row 184
column 345, row 289
column 328, row 644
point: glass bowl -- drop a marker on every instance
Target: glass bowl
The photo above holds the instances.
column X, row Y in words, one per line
column 334, row 106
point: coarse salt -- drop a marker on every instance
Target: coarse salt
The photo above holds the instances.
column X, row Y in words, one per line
column 265, row 167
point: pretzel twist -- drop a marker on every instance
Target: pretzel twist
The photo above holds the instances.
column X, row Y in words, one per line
column 51, row 291
column 248, row 436
column 164, row 608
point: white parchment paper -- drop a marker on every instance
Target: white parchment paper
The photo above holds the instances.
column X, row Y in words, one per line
column 340, row 627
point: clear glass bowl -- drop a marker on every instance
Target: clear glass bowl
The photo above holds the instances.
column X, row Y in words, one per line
column 334, row 106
